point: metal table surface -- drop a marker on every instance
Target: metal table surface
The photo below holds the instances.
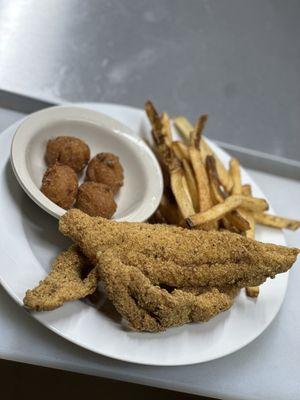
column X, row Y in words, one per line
column 266, row 368
column 237, row 60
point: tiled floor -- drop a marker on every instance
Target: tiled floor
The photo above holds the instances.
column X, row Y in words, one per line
column 26, row 381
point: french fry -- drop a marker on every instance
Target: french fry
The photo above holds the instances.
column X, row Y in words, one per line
column 215, row 213
column 220, row 210
column 177, row 151
column 275, row 221
column 191, row 182
column 181, row 194
column 252, row 291
column 253, row 203
column 235, row 173
column 166, row 128
column 233, row 219
column 184, row 127
column 239, row 220
column 180, row 150
column 196, row 135
column 153, row 116
column 246, row 190
column 224, row 176
column 204, row 196
column 218, row 193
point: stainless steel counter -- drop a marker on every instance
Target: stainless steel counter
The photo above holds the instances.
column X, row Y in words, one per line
column 268, row 368
column 237, row 60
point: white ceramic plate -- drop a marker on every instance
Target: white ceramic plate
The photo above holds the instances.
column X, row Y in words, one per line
column 143, row 184
column 29, row 241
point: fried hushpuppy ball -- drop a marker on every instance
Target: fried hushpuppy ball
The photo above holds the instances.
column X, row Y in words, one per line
column 96, row 199
column 68, row 150
column 60, row 184
column 106, row 168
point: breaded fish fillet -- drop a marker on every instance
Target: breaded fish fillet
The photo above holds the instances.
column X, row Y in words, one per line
column 70, row 278
column 151, row 308
column 180, row 257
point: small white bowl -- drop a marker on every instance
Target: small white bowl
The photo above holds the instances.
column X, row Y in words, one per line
column 143, row 183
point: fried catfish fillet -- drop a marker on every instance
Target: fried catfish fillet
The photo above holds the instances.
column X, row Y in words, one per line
column 179, row 257
column 71, row 278
column 151, row 308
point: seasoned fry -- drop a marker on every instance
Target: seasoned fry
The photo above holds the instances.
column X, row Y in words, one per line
column 235, row 173
column 231, row 203
column 191, row 182
column 204, row 197
column 276, row 222
column 179, row 189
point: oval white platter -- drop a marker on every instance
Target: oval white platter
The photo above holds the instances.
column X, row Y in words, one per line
column 29, row 241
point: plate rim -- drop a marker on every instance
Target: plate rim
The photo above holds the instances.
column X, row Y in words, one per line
column 124, row 359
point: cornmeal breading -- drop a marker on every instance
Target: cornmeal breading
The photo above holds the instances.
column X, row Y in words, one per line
column 180, row 257
column 70, row 278
column 151, row 308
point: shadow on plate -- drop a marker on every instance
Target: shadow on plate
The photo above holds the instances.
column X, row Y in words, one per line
column 36, row 222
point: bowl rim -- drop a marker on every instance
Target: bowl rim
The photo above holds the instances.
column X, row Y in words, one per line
column 27, row 130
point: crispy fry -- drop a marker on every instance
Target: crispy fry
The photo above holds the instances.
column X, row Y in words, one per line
column 247, row 190
column 204, row 197
column 181, row 150
column 215, row 213
column 177, row 151
column 231, row 203
column 184, row 127
column 252, row 291
column 235, row 173
column 276, row 222
column 180, row 191
column 253, row 203
column 153, row 116
column 233, row 219
column 224, row 176
column 166, row 128
column 237, row 219
column 197, row 132
column 218, row 193
column 191, row 182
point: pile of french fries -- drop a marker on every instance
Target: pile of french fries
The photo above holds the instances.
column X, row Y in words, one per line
column 199, row 191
